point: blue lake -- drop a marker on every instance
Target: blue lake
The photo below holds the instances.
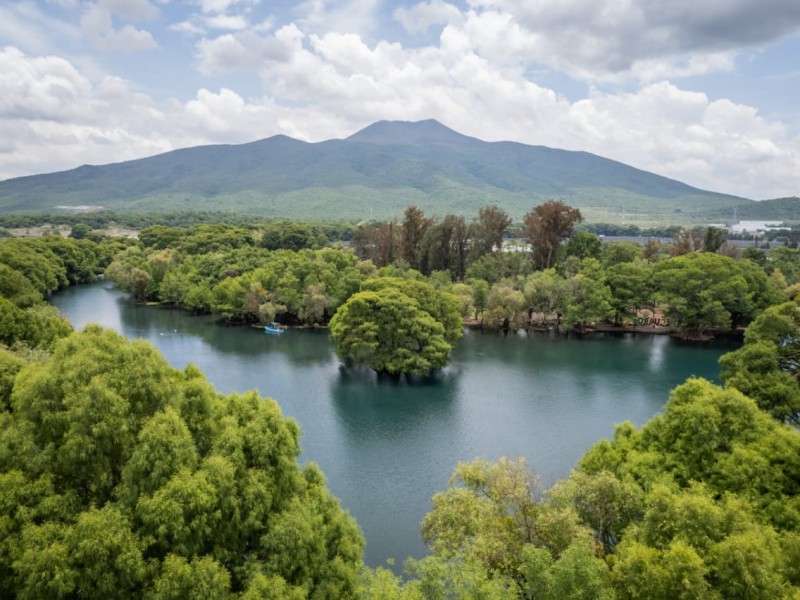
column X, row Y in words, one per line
column 385, row 447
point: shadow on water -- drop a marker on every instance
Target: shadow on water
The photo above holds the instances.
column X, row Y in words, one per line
column 374, row 408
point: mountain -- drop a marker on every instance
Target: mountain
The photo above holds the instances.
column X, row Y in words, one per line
column 374, row 173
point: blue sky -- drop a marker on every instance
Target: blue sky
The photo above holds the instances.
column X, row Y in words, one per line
column 704, row 92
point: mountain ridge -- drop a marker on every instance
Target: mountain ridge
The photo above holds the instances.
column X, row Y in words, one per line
column 375, row 172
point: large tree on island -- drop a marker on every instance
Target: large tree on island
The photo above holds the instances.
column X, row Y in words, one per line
column 397, row 327
column 546, row 226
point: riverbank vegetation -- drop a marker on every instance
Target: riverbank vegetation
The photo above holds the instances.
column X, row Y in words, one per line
column 557, row 278
column 123, row 477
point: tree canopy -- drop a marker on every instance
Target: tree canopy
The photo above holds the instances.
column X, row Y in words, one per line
column 767, row 366
column 397, row 326
column 123, row 477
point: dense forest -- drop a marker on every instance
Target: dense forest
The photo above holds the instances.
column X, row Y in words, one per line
column 124, row 477
column 560, row 277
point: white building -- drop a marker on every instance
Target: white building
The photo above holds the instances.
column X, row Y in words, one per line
column 756, row 226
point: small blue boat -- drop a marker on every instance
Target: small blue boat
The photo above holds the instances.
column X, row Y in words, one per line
column 275, row 328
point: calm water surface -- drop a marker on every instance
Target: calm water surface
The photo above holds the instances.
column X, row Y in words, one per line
column 385, row 447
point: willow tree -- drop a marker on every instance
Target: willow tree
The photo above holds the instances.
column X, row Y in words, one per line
column 122, row 477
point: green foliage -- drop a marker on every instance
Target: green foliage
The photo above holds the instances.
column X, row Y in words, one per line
column 38, row 327
column 615, row 253
column 399, row 327
column 505, row 305
column 719, row 482
column 243, row 285
column 489, row 231
column 17, row 288
column 630, row 285
column 603, row 502
column 544, row 293
column 503, row 265
column 32, row 268
column 583, row 245
column 587, row 298
column 10, row 365
column 766, row 367
column 122, row 477
column 703, row 290
column 787, row 260
column 490, row 513
column 702, row 502
column 713, row 239
column 80, row 231
column 577, row 574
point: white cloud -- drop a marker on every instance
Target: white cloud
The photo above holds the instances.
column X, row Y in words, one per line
column 24, row 25
column 322, row 86
column 222, row 6
column 715, row 145
column 245, row 50
column 599, row 39
column 97, row 23
column 421, row 17
column 64, row 3
column 39, row 88
column 341, row 16
column 188, row 27
column 135, row 10
column 231, row 22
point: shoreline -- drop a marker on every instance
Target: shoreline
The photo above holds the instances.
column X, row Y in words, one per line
column 609, row 328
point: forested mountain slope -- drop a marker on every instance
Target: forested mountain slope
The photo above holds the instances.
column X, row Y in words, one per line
column 375, row 173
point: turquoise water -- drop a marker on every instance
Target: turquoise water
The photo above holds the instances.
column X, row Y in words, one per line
column 387, row 447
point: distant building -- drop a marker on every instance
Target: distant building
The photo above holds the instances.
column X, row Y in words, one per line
column 756, row 226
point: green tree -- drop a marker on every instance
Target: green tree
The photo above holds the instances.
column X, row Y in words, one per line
column 80, row 231
column 630, row 284
column 544, row 294
column 390, row 332
column 480, row 295
column 587, row 297
column 615, row 253
column 444, row 247
column 491, row 268
column 583, row 245
column 787, row 260
column 703, row 290
column 440, row 304
column 713, row 239
column 505, row 305
column 767, row 366
column 17, row 288
column 123, row 477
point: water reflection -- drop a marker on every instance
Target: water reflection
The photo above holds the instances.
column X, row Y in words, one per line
column 375, row 410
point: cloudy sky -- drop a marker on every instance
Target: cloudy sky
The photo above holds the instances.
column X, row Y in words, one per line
column 702, row 91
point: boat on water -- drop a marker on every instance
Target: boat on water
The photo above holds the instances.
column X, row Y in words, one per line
column 275, row 328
